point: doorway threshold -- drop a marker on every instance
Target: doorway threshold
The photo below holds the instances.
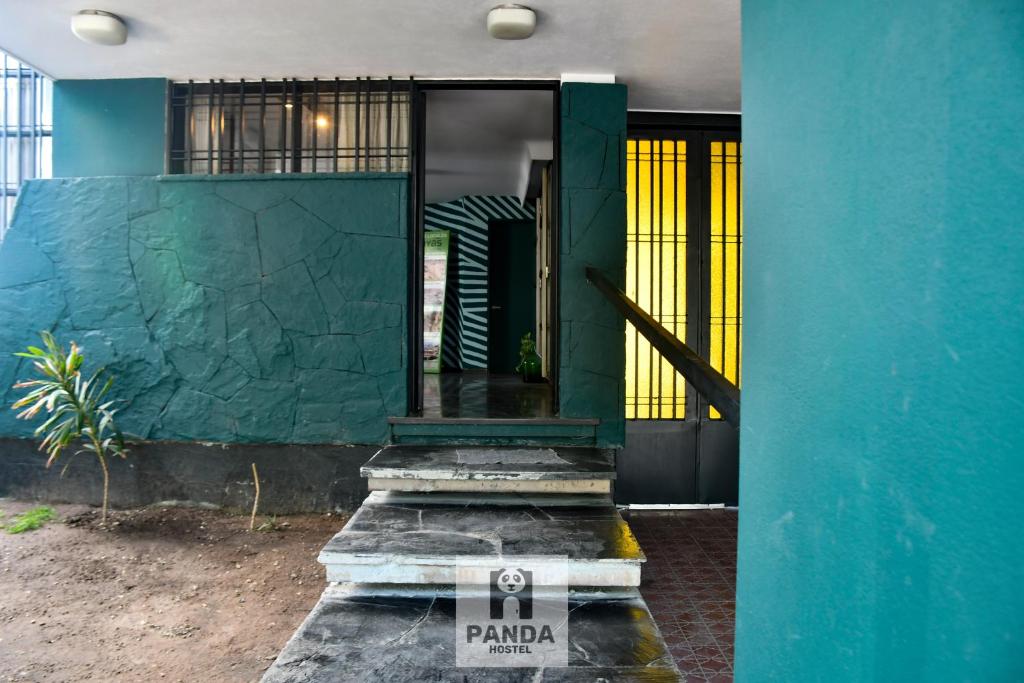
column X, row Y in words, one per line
column 496, row 431
column 427, row 419
column 484, row 395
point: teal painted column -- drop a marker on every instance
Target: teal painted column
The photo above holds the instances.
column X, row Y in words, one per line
column 882, row 445
column 109, row 127
column 593, row 215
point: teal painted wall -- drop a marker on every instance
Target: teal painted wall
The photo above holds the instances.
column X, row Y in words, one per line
column 593, row 215
column 230, row 308
column 882, row 445
column 109, row 127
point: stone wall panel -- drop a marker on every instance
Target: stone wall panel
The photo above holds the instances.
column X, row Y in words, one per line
column 213, row 298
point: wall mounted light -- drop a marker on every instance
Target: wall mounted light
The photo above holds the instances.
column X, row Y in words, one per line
column 511, row 22
column 99, row 27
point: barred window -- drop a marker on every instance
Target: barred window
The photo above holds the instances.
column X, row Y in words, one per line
column 289, row 126
column 26, row 116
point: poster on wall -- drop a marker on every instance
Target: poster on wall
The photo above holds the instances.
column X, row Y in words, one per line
column 435, row 275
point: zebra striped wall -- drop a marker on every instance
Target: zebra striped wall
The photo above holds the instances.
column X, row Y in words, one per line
column 465, row 318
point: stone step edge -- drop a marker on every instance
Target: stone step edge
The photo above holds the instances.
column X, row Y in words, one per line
column 552, row 486
column 470, row 499
column 599, row 573
column 447, row 590
column 479, row 473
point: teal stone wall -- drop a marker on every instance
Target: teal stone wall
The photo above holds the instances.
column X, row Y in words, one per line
column 882, row 443
column 109, row 127
column 592, row 360
column 230, row 308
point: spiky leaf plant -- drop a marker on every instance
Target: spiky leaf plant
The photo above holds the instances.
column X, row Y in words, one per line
column 74, row 407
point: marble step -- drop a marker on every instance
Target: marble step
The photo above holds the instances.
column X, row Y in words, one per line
column 356, row 633
column 421, row 542
column 491, row 469
column 475, row 499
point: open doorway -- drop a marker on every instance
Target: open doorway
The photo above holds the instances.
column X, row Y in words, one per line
column 488, row 235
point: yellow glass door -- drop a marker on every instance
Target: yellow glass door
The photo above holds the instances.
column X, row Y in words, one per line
column 671, row 276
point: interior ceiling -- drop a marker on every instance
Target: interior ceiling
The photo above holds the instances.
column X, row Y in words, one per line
column 477, row 140
column 674, row 55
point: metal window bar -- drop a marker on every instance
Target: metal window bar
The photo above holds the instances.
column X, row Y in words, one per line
column 726, row 315
column 359, row 85
column 656, row 272
column 240, row 127
column 289, row 126
column 336, row 126
column 316, row 122
column 26, row 131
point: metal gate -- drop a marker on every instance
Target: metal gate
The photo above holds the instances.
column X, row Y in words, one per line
column 683, row 266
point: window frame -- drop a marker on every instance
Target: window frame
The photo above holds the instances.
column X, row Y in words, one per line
column 32, row 108
column 185, row 96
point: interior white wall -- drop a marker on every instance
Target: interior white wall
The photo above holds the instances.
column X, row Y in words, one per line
column 480, row 142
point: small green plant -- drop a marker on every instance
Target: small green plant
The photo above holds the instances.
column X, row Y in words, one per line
column 529, row 362
column 269, row 525
column 527, row 345
column 30, row 520
column 75, row 410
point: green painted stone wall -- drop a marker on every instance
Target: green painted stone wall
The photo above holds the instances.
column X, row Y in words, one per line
column 230, row 308
column 109, row 127
column 882, row 444
column 593, row 212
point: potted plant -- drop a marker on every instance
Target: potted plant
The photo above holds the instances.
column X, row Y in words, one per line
column 529, row 367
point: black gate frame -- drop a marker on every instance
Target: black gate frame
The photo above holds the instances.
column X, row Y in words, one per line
column 716, row 473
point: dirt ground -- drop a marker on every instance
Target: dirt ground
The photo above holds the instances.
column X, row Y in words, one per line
column 162, row 594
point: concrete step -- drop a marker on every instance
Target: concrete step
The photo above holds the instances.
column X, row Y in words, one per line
column 491, row 469
column 493, row 431
column 360, row 633
column 422, row 542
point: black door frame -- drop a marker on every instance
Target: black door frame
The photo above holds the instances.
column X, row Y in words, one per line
column 418, row 118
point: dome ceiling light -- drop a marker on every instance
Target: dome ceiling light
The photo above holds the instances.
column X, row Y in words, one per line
column 99, row 28
column 511, row 22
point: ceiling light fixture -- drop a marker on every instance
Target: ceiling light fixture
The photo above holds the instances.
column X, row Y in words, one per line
column 99, row 27
column 511, row 22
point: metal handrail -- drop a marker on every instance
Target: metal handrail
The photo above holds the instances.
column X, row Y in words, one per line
column 713, row 385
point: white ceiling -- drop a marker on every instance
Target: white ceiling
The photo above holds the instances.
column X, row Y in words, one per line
column 681, row 55
column 477, row 140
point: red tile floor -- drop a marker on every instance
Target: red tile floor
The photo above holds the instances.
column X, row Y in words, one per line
column 689, row 582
